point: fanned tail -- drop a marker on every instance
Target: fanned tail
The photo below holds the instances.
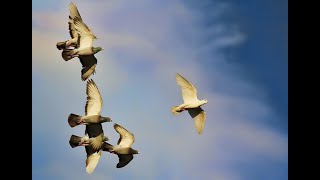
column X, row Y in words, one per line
column 74, row 141
column 175, row 110
column 67, row 54
column 74, row 120
column 61, row 45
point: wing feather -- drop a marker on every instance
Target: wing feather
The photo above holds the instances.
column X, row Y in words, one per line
column 126, row 138
column 92, row 161
column 89, row 63
column 199, row 117
column 94, row 99
column 189, row 92
column 124, row 160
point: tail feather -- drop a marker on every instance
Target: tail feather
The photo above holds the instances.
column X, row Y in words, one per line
column 74, row 141
column 175, row 110
column 67, row 54
column 61, row 45
column 74, row 120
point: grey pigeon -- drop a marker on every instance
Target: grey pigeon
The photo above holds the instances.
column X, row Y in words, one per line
column 81, row 41
column 92, row 118
column 93, row 155
column 96, row 138
column 123, row 148
column 84, row 42
column 191, row 103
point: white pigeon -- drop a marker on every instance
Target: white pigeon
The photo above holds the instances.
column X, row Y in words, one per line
column 191, row 103
column 123, row 148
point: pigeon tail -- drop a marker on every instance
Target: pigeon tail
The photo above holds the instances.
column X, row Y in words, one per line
column 67, row 54
column 74, row 141
column 61, row 45
column 74, row 120
column 175, row 110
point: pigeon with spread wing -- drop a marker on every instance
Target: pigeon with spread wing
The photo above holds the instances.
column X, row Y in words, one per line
column 81, row 43
column 191, row 103
column 123, row 148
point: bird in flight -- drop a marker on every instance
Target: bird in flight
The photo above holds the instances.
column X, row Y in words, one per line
column 191, row 103
column 123, row 148
column 81, row 43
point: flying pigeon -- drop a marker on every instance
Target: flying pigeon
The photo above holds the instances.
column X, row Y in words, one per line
column 92, row 118
column 123, row 148
column 82, row 43
column 93, row 156
column 191, row 103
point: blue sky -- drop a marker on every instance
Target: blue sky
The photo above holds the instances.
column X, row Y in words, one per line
column 234, row 52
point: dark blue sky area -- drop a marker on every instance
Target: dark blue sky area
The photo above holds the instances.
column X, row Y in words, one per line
column 264, row 54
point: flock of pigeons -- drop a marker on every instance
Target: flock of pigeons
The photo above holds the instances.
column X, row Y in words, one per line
column 81, row 45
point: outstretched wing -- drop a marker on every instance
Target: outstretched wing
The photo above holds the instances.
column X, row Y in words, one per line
column 74, row 13
column 124, row 160
column 189, row 92
column 86, row 35
column 89, row 63
column 199, row 117
column 94, row 100
column 126, row 138
column 92, row 160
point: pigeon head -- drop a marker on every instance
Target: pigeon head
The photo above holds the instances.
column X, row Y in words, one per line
column 105, row 119
column 133, row 151
column 205, row 101
column 96, row 49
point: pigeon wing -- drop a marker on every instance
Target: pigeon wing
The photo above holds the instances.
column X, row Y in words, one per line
column 126, row 138
column 89, row 63
column 124, row 160
column 199, row 117
column 189, row 92
column 94, row 100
